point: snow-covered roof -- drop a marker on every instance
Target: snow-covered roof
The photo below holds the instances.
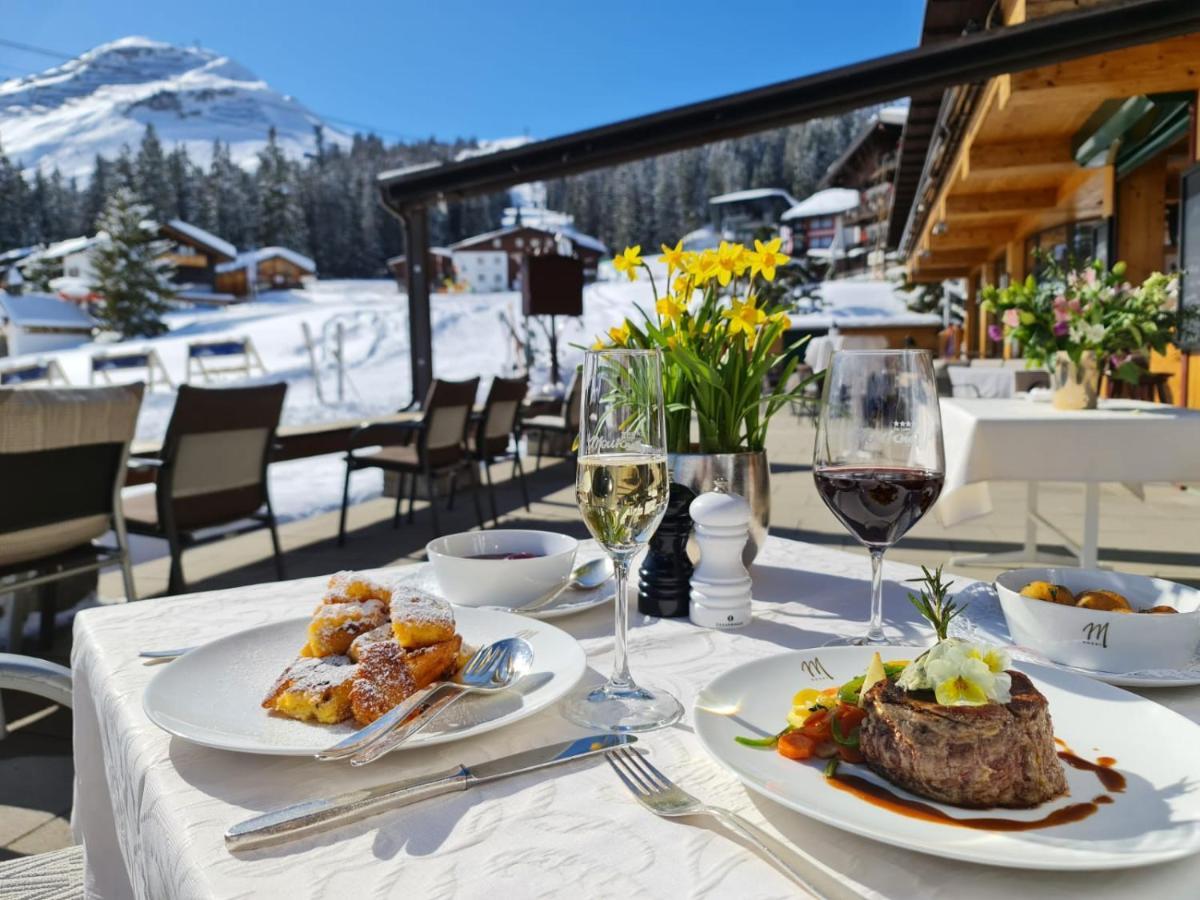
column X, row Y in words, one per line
column 752, row 194
column 575, row 237
column 43, row 311
column 204, row 238
column 583, row 240
column 862, row 303
column 828, row 202
column 893, row 115
column 251, row 257
column 8, row 257
column 62, row 248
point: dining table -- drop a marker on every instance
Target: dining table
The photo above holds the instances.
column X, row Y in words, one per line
column 1129, row 442
column 151, row 809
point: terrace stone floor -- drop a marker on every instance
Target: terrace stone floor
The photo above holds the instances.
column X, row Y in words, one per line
column 1156, row 537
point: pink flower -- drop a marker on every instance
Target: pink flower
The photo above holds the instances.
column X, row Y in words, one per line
column 1073, row 303
column 1060, row 302
column 1061, row 328
column 1061, row 314
column 995, row 333
column 1090, row 276
column 1012, row 318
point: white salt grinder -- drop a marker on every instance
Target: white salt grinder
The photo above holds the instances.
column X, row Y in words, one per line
column 720, row 583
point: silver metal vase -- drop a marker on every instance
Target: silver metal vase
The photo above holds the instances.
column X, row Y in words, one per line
column 746, row 474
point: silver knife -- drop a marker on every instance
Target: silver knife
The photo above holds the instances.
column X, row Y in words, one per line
column 313, row 816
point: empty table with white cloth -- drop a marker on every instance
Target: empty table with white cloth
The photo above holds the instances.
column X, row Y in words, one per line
column 1129, row 442
column 151, row 809
column 820, row 349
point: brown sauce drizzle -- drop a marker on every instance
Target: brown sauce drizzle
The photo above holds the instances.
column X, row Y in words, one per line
column 1102, row 768
column 882, row 797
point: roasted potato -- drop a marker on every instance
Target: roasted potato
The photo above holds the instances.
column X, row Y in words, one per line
column 1051, row 593
column 1104, row 601
column 1161, row 609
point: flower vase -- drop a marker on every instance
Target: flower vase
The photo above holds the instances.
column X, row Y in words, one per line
column 1075, row 386
column 745, row 474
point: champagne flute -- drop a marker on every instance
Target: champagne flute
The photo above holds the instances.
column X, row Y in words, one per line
column 878, row 461
column 621, row 486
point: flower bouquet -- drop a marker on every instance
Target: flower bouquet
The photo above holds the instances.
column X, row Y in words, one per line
column 719, row 345
column 1084, row 322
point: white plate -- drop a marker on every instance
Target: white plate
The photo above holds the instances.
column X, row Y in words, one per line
column 572, row 602
column 1157, row 818
column 983, row 621
column 238, row 670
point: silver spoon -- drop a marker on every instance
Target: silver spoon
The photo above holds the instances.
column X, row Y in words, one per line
column 164, row 654
column 586, row 577
column 494, row 667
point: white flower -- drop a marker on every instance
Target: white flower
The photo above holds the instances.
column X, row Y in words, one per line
column 1083, row 332
column 960, row 674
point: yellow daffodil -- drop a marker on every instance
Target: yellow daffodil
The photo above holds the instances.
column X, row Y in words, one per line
column 628, row 261
column 704, row 267
column 744, row 260
column 780, row 318
column 672, row 341
column 728, row 260
column 669, row 308
column 599, row 344
column 744, row 317
column 620, row 335
column 683, row 287
column 766, row 258
column 672, row 257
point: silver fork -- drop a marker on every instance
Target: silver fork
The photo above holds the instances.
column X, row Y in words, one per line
column 663, row 797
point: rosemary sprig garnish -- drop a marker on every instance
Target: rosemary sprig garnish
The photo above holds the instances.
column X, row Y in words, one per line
column 934, row 603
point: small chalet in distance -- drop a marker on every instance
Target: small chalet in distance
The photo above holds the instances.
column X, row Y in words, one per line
column 492, row 261
column 265, row 269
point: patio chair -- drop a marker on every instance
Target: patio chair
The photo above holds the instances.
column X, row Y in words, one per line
column 62, row 465
column 498, row 428
column 211, row 480
column 435, row 445
column 565, row 424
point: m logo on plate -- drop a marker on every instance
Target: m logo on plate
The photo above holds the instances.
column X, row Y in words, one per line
column 814, row 669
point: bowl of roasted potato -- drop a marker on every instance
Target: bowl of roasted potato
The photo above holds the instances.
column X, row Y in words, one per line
column 1105, row 621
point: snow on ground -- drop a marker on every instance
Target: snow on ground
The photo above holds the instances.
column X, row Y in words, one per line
column 469, row 339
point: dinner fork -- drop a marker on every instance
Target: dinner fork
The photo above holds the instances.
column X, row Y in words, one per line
column 663, row 797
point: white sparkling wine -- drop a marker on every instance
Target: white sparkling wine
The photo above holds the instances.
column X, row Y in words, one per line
column 622, row 497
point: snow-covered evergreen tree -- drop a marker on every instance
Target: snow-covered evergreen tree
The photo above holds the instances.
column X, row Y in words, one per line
column 131, row 274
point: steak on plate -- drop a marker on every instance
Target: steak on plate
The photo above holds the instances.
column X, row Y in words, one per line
column 972, row 756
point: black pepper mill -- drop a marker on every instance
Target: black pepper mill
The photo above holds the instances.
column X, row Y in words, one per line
column 664, row 580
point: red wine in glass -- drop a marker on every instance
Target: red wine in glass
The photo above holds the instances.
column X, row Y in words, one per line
column 878, row 505
column 878, row 461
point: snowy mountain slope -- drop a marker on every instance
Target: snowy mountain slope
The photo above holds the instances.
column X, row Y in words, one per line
column 104, row 99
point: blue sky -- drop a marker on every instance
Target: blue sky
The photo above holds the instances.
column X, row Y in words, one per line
column 488, row 68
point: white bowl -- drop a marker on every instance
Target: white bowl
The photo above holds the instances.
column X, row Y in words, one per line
column 500, row 582
column 1104, row 641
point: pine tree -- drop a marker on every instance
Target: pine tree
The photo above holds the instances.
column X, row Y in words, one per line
column 280, row 218
column 38, row 275
column 151, row 179
column 130, row 272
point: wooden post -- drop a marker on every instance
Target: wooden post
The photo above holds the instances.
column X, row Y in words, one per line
column 420, row 324
column 971, row 313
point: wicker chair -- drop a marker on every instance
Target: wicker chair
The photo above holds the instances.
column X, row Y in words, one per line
column 435, row 445
column 62, row 465
column 497, row 430
column 566, row 423
column 212, row 476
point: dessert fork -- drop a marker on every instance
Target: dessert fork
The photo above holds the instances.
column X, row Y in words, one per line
column 663, row 797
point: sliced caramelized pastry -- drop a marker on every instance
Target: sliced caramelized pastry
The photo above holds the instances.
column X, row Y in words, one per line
column 367, row 638
column 388, row 674
column 420, row 619
column 334, row 626
column 314, row 689
column 347, row 587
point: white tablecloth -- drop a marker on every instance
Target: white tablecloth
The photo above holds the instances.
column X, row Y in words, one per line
column 819, row 351
column 976, row 381
column 1016, row 439
column 151, row 809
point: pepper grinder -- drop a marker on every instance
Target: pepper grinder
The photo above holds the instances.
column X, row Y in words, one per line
column 720, row 584
column 666, row 570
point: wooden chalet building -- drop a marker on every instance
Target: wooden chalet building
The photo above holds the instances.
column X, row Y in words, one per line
column 265, row 269
column 1081, row 158
column 440, row 267
column 195, row 254
column 492, row 261
column 868, row 166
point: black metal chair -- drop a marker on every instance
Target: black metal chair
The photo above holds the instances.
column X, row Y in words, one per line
column 497, row 429
column 211, row 480
column 565, row 424
column 435, row 445
column 62, row 466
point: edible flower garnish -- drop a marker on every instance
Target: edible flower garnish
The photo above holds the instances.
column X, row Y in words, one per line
column 960, row 673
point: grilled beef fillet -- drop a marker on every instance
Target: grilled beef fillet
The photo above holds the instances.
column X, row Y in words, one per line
column 973, row 756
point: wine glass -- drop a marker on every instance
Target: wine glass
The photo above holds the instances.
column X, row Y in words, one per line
column 621, row 486
column 878, row 461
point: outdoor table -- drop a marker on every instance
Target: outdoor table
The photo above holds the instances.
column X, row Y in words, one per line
column 1125, row 441
column 974, row 381
column 820, row 350
column 151, row 810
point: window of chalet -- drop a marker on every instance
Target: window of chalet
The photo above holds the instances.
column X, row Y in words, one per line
column 1072, row 244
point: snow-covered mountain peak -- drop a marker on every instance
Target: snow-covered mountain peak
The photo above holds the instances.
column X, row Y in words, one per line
column 103, row 99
